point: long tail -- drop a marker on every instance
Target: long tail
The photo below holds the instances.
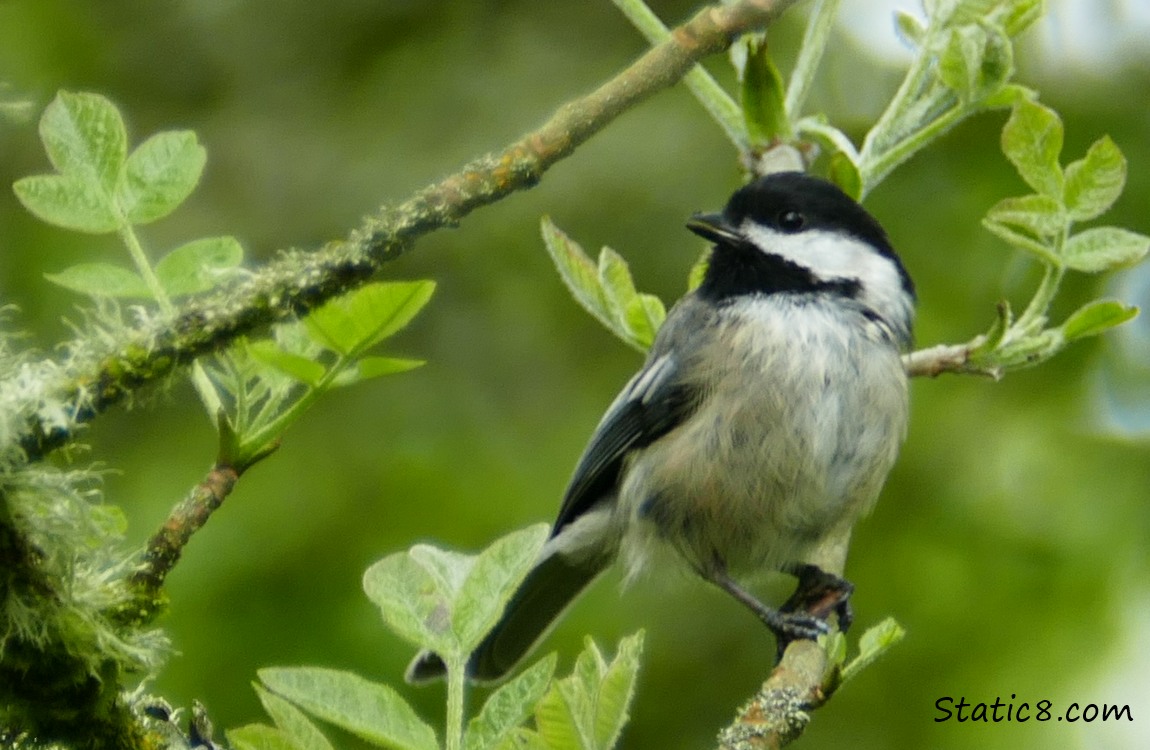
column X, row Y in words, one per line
column 548, row 590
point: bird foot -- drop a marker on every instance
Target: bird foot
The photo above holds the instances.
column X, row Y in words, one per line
column 818, row 595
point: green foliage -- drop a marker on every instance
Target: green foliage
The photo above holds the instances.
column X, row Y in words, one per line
column 964, row 63
column 1041, row 224
column 501, row 719
column 369, row 710
column 587, row 711
column 261, row 737
column 199, row 265
column 292, row 721
column 968, row 62
column 101, row 280
column 762, row 96
column 446, row 602
column 273, row 382
column 873, row 643
column 607, row 290
column 876, row 641
column 354, row 323
column 1032, row 141
column 193, row 267
column 89, row 629
column 98, row 186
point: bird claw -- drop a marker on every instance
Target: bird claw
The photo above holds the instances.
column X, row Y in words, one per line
column 795, row 626
column 819, row 595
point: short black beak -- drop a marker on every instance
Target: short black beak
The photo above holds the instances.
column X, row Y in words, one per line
column 714, row 227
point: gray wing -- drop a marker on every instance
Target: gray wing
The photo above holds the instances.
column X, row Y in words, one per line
column 653, row 403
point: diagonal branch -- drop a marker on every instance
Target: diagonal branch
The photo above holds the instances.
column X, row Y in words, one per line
column 780, row 711
column 167, row 544
column 90, row 381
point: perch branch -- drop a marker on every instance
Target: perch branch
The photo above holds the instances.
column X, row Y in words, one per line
column 166, row 545
column 91, row 381
column 942, row 358
column 779, row 712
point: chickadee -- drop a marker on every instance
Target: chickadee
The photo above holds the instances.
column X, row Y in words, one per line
column 763, row 424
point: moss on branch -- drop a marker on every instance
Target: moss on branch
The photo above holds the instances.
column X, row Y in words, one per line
column 91, row 381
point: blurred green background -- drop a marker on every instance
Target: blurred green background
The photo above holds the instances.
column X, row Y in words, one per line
column 1012, row 541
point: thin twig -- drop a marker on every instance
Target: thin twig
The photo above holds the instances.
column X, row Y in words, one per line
column 942, row 358
column 90, row 382
column 189, row 515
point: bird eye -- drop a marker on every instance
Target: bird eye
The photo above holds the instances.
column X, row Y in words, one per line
column 791, row 221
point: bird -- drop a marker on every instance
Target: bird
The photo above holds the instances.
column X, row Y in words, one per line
column 762, row 425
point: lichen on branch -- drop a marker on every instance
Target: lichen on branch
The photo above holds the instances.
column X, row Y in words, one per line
column 90, row 379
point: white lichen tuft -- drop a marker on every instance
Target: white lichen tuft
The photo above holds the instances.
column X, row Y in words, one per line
column 77, row 544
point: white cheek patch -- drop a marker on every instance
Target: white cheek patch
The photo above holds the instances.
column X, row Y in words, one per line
column 834, row 256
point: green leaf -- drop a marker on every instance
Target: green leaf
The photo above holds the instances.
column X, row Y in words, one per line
column 1026, row 243
column 489, row 584
column 101, row 280
column 763, row 96
column 845, row 173
column 369, row 710
column 1103, row 248
column 587, row 710
column 509, row 706
column 159, row 174
column 415, row 593
column 909, row 27
column 645, row 315
column 375, row 367
column 939, row 11
column 199, row 265
column 874, row 643
column 66, row 201
column 615, row 279
column 997, row 331
column 1095, row 317
column 1040, row 215
column 1009, row 96
column 522, row 738
column 638, row 315
column 698, row 270
column 607, row 291
column 835, row 646
column 85, row 138
column 819, row 129
column 1032, row 141
column 260, row 737
column 355, row 322
column 976, row 60
column 446, row 601
column 1012, row 15
column 303, row 733
column 578, row 272
column 295, row 366
column 616, row 691
column 1094, row 182
column 1017, row 15
column 997, row 64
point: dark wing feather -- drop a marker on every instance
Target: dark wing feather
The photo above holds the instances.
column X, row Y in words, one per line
column 650, row 406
